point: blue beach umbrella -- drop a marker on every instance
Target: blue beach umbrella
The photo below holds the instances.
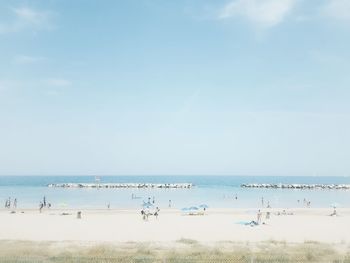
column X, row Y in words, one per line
column 147, row 205
column 203, row 206
column 193, row 208
column 335, row 205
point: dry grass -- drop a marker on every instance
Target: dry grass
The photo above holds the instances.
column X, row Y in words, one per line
column 182, row 251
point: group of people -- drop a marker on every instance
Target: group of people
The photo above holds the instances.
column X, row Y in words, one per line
column 43, row 204
column 148, row 209
column 8, row 203
column 145, row 213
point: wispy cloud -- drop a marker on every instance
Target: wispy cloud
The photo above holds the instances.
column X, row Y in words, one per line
column 24, row 60
column 25, row 18
column 58, row 82
column 261, row 13
column 337, row 9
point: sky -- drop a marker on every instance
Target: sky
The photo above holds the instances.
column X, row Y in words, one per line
column 178, row 87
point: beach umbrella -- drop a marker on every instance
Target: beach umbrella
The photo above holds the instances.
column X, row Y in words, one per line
column 185, row 209
column 147, row 205
column 335, row 205
column 193, row 208
column 203, row 206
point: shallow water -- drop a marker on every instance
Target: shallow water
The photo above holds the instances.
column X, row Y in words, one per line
column 215, row 191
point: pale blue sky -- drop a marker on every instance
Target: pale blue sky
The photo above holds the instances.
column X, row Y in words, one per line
column 224, row 87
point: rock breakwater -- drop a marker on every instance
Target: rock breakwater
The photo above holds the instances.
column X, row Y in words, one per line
column 120, row 185
column 299, row 186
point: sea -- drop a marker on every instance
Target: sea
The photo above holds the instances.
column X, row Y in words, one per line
column 213, row 191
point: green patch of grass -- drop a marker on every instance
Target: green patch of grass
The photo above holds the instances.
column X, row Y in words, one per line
column 178, row 252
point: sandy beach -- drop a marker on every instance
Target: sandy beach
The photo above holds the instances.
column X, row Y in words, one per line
column 171, row 225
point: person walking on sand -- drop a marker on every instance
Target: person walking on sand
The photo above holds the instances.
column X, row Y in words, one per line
column 41, row 205
column 169, row 203
column 44, row 201
column 157, row 212
column 15, row 203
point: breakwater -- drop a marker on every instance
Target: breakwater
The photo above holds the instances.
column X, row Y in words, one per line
column 120, row 185
column 299, row 186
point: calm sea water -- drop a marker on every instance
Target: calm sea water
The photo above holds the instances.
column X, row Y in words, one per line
column 215, row 191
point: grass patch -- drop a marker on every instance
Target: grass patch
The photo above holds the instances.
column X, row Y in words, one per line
column 181, row 251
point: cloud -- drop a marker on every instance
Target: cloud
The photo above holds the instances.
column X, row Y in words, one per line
column 261, row 13
column 337, row 9
column 23, row 59
column 58, row 82
column 25, row 18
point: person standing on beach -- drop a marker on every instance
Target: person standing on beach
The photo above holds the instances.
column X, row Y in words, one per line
column 41, row 205
column 169, row 203
column 259, row 216
column 9, row 203
column 44, row 201
column 15, row 203
column 143, row 214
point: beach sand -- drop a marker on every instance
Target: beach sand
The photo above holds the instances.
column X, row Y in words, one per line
column 216, row 225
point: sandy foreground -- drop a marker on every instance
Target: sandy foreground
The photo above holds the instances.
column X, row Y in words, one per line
column 171, row 225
